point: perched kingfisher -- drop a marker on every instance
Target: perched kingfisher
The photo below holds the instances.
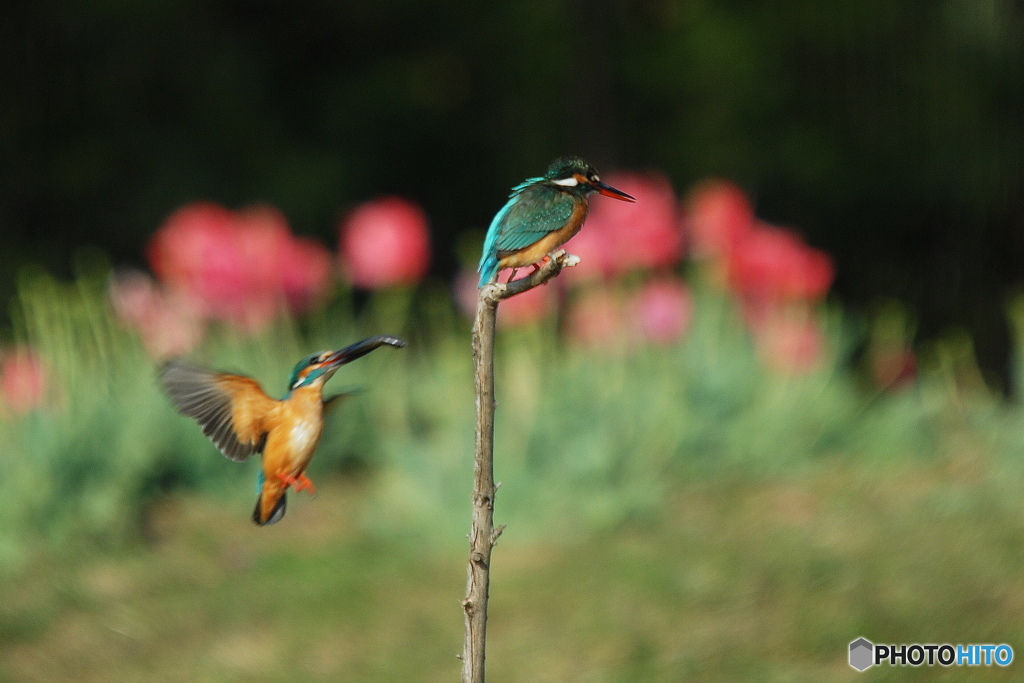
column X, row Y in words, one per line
column 241, row 419
column 541, row 215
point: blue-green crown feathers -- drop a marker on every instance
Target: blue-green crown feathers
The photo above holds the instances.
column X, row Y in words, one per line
column 566, row 167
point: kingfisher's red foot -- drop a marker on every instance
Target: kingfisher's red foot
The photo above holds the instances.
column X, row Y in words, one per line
column 305, row 484
column 299, row 483
column 536, row 266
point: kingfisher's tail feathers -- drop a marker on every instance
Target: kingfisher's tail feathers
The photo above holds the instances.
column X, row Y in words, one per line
column 488, row 267
column 276, row 513
column 488, row 270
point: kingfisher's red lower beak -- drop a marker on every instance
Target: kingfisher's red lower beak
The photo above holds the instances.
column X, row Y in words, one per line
column 614, row 193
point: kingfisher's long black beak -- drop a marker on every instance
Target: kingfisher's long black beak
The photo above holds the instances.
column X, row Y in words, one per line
column 614, row 193
column 360, row 349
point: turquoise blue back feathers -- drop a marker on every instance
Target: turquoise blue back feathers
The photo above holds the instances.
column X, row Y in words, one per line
column 488, row 267
column 532, row 211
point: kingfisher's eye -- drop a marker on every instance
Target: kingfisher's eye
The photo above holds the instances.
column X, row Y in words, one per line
column 594, row 178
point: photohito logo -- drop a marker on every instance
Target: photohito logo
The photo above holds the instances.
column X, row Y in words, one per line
column 865, row 654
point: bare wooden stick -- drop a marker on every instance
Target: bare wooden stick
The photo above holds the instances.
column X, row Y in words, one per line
column 483, row 535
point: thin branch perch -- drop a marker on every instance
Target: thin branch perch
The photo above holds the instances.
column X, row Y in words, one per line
column 483, row 534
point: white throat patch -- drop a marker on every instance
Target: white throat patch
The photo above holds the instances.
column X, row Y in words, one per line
column 567, row 182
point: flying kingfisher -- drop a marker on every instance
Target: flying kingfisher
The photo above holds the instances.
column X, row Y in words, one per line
column 541, row 215
column 241, row 419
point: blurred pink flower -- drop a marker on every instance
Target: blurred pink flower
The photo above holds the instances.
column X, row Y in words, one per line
column 789, row 340
column 133, row 296
column 662, row 310
column 196, row 253
column 244, row 267
column 305, row 273
column 595, row 318
column 168, row 325
column 527, row 308
column 772, row 264
column 262, row 240
column 621, row 236
column 718, row 214
column 23, row 381
column 385, row 242
column 465, row 291
column 591, row 245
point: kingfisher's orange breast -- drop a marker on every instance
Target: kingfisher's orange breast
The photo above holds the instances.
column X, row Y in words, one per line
column 549, row 242
column 297, row 426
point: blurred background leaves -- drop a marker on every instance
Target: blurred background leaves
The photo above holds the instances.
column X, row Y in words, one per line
column 890, row 133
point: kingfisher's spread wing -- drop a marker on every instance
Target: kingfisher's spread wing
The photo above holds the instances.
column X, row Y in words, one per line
column 231, row 409
column 531, row 214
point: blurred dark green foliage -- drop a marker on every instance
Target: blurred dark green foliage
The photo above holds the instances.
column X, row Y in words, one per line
column 892, row 134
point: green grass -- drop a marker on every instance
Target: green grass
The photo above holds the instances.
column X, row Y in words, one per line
column 673, row 512
column 738, row 578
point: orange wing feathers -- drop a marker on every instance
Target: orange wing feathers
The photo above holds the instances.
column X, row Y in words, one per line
column 229, row 408
column 250, row 407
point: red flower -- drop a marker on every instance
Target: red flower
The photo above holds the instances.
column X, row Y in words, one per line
column 718, row 214
column 596, row 254
column 195, row 252
column 262, row 242
column 243, row 267
column 385, row 243
column 769, row 264
column 621, row 236
column 662, row 310
column 305, row 273
column 23, row 381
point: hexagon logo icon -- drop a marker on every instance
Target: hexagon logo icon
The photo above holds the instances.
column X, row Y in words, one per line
column 862, row 654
